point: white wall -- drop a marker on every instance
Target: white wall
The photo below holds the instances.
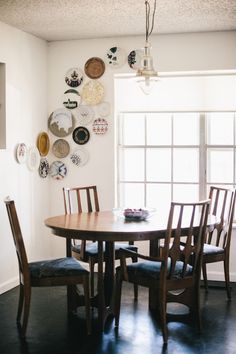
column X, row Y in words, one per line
column 172, row 53
column 26, row 115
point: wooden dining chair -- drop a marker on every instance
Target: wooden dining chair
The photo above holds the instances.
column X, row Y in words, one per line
column 217, row 244
column 174, row 275
column 85, row 199
column 55, row 272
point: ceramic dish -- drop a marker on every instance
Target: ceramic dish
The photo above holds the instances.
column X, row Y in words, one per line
column 33, row 158
column 134, row 59
column 93, row 92
column 79, row 157
column 21, row 153
column 43, row 167
column 71, row 99
column 81, row 135
column 94, row 68
column 58, row 170
column 85, row 114
column 61, row 122
column 60, row 148
column 103, row 109
column 43, row 143
column 74, row 77
column 100, row 126
column 115, row 57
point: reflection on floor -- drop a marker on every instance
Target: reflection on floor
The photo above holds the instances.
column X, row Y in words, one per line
column 50, row 331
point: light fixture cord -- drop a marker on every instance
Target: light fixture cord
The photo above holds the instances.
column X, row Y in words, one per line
column 148, row 30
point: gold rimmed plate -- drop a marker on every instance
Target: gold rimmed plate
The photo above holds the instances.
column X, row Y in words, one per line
column 43, row 143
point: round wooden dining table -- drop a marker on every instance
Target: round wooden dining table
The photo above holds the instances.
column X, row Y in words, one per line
column 108, row 227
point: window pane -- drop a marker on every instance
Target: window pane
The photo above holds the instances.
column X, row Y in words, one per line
column 131, row 195
column 185, row 193
column 186, row 129
column 133, row 132
column 220, row 128
column 132, row 165
column 159, row 197
column 220, row 165
column 159, row 165
column 186, row 165
column 159, row 129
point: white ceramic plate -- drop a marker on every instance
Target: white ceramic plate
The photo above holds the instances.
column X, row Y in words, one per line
column 43, row 167
column 33, row 158
column 71, row 99
column 21, row 153
column 74, row 77
column 104, row 109
column 100, row 126
column 79, row 157
column 85, row 114
column 134, row 59
column 116, row 57
column 58, row 170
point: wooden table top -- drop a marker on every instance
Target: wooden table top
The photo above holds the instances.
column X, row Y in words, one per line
column 105, row 226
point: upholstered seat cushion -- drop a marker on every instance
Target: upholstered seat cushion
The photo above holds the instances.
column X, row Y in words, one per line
column 211, row 249
column 152, row 269
column 92, row 248
column 56, row 268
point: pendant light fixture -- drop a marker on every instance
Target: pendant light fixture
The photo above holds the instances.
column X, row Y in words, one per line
column 146, row 75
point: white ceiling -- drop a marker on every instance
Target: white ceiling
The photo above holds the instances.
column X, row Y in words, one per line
column 76, row 19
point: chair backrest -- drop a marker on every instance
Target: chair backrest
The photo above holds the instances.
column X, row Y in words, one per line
column 184, row 239
column 80, row 199
column 18, row 239
column 222, row 206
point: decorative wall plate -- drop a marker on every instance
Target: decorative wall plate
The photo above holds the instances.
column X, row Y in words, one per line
column 74, row 77
column 104, row 109
column 21, row 153
column 93, row 92
column 100, row 126
column 71, row 99
column 33, row 158
column 43, row 143
column 61, row 122
column 58, row 170
column 115, row 57
column 60, row 148
column 85, row 114
column 43, row 167
column 79, row 157
column 94, row 68
column 81, row 135
column 134, row 59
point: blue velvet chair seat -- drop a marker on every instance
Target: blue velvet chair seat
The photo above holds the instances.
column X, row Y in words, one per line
column 60, row 267
column 152, row 269
column 92, row 248
column 211, row 249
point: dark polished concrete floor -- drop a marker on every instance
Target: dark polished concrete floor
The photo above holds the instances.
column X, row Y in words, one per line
column 51, row 331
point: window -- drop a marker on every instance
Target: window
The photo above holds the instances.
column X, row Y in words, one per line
column 173, row 156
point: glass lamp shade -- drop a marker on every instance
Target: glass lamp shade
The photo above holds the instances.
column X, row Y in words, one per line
column 146, row 76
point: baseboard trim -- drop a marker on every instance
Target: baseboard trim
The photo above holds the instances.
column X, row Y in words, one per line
column 8, row 285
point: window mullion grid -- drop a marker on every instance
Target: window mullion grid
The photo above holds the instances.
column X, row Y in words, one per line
column 202, row 157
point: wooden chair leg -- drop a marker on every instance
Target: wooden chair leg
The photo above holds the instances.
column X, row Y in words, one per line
column 27, row 297
column 162, row 309
column 87, row 304
column 91, row 268
column 20, row 303
column 134, row 260
column 204, row 273
column 118, row 289
column 227, row 281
